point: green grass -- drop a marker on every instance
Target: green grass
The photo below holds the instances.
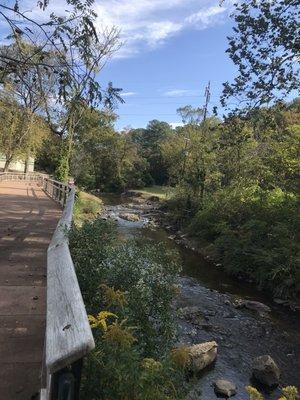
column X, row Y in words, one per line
column 86, row 208
column 163, row 192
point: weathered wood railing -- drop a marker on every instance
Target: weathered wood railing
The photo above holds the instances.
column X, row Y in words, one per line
column 22, row 176
column 68, row 333
column 68, row 336
column 57, row 190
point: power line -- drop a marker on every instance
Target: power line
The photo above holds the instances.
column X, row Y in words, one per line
column 159, row 103
column 166, row 97
column 145, row 115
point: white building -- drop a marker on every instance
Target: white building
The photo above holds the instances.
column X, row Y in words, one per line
column 17, row 165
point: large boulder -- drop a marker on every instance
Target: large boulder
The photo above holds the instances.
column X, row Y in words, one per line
column 130, row 217
column 154, row 199
column 191, row 314
column 202, row 355
column 224, row 388
column 253, row 305
column 266, row 371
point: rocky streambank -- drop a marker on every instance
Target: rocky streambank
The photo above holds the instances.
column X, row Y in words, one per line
column 235, row 336
column 242, row 336
column 148, row 209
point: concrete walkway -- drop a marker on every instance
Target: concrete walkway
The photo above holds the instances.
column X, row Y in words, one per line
column 27, row 221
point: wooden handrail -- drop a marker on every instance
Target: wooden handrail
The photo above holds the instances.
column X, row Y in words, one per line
column 57, row 190
column 24, row 176
column 68, row 334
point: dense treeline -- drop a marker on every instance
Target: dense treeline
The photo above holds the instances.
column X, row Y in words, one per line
column 238, row 191
column 235, row 182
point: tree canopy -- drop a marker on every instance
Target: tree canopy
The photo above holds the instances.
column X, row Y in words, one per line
column 265, row 47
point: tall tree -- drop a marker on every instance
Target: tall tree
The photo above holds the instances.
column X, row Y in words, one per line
column 103, row 158
column 33, row 89
column 21, row 133
column 149, row 141
column 78, row 52
column 191, row 155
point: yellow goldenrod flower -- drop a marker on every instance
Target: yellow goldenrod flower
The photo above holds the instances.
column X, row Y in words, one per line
column 254, row 393
column 101, row 319
column 289, row 393
column 114, row 297
column 119, row 335
column 151, row 365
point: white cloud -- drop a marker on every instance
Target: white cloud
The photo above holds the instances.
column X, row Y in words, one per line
column 179, row 92
column 206, row 17
column 176, row 124
column 128, row 94
column 159, row 31
column 147, row 24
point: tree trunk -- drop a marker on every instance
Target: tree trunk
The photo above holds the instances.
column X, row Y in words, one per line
column 6, row 165
column 27, row 162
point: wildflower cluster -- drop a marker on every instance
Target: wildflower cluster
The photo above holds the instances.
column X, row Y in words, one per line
column 113, row 297
column 288, row 393
column 101, row 319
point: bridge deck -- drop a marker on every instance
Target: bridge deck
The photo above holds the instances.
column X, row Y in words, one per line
column 27, row 221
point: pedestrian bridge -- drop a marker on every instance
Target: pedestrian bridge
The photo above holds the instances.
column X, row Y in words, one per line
column 44, row 331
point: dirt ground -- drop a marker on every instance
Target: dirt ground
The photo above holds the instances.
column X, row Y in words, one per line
column 28, row 218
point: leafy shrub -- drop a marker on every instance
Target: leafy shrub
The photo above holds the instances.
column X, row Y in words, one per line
column 86, row 207
column 135, row 283
column 89, row 247
column 254, row 234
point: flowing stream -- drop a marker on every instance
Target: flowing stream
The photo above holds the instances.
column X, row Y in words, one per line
column 206, row 312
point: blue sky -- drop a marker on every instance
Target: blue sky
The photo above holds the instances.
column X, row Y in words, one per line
column 171, row 50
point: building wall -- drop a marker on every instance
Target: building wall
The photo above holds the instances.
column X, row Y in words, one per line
column 17, row 165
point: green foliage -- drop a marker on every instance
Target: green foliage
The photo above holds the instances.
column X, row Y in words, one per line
column 54, row 71
column 191, row 158
column 147, row 273
column 254, row 393
column 136, row 282
column 288, row 393
column 237, row 187
column 89, row 245
column 62, row 171
column 87, row 207
column 22, row 132
column 47, row 157
column 254, row 232
column 264, row 46
column 149, row 142
column 102, row 158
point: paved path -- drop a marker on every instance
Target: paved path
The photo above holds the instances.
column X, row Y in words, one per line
column 27, row 221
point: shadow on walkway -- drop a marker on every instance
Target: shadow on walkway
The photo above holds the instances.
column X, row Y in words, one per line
column 28, row 218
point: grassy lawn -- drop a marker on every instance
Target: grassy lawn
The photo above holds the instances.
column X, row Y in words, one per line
column 163, row 192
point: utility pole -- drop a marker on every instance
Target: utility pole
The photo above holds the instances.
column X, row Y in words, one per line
column 207, row 99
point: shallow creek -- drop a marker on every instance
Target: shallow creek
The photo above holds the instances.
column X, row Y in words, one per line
column 241, row 334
